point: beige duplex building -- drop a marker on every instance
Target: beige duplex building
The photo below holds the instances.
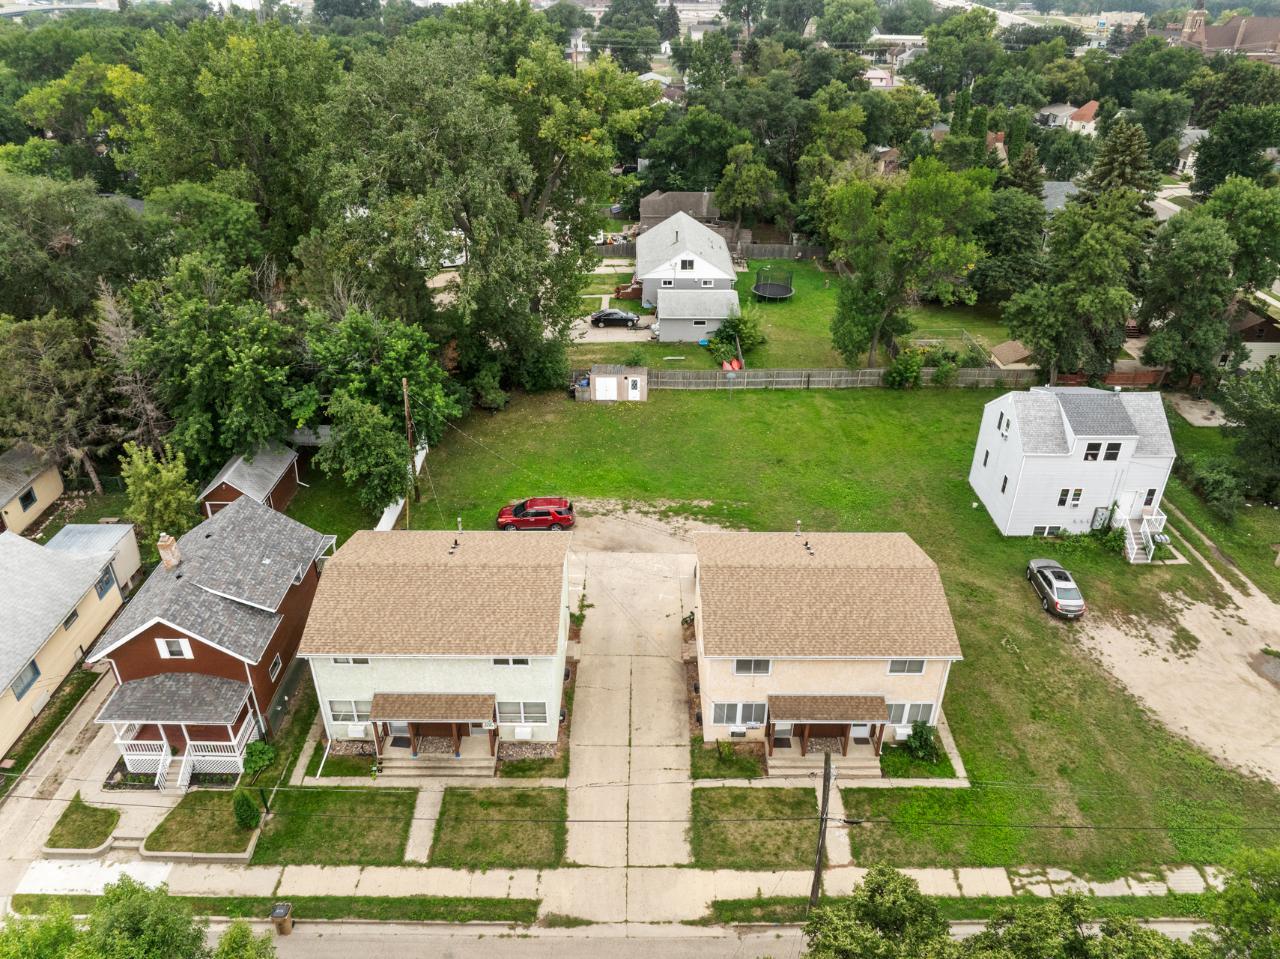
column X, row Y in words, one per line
column 28, row 487
column 820, row 641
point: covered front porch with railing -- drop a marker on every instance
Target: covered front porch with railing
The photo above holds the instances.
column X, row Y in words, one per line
column 801, row 728
column 174, row 726
column 1142, row 532
column 418, row 725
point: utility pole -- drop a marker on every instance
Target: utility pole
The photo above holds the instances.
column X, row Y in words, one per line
column 821, row 854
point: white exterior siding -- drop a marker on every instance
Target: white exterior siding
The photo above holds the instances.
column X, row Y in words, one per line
column 1259, row 353
column 1002, row 456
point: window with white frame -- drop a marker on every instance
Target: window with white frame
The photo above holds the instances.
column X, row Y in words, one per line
column 27, row 499
column 906, row 667
column 707, row 284
column 668, row 284
column 350, row 660
column 739, row 714
column 986, row 454
column 1062, row 496
column 1091, row 451
column 686, row 265
column 25, row 679
column 1075, row 498
column 1004, row 483
column 511, row 661
column 1046, row 530
column 350, row 711
column 751, row 667
column 699, row 322
column 902, row 714
column 277, row 664
column 524, row 714
column 1000, row 420
column 1150, row 498
column 104, row 583
column 177, row 648
column 1112, row 452
column 71, row 620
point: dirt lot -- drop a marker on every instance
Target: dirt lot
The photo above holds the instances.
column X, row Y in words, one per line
column 1208, row 678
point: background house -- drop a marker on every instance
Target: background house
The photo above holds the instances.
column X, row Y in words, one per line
column 269, row 476
column 689, row 316
column 682, row 254
column 1053, row 460
column 659, row 206
column 53, row 605
column 117, row 539
column 28, row 487
column 1055, row 114
column 1084, row 120
column 1257, row 38
column 202, row 651
column 431, row 647
column 1259, row 333
column 821, row 640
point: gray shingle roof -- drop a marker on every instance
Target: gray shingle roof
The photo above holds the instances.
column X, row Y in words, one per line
column 255, row 476
column 1146, row 410
column 247, row 551
column 681, row 233
column 702, row 205
column 39, row 588
column 1044, row 412
column 19, row 465
column 697, row 304
column 1039, row 419
column 176, row 698
column 1093, row 412
column 1056, row 194
column 89, row 537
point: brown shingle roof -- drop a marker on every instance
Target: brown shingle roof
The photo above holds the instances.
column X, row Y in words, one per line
column 1086, row 112
column 828, row 709
column 1010, row 351
column 410, row 592
column 848, row 595
column 432, row 707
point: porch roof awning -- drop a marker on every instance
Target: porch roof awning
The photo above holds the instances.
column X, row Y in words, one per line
column 173, row 698
column 432, row 707
column 828, row 709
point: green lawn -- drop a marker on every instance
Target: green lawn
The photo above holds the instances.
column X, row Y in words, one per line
column 203, row 821
column 599, row 283
column 554, row 767
column 1044, row 730
column 500, row 828
column 337, row 827
column 338, row 765
column 1250, row 540
column 707, row 763
column 897, row 763
column 92, row 507
column 737, row 827
column 291, row 738
column 1184, row 201
column 384, row 908
column 932, row 320
column 328, row 505
column 82, row 826
column 798, row 329
column 64, row 699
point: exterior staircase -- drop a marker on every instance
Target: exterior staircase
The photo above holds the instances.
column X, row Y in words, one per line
column 437, row 766
column 863, row 764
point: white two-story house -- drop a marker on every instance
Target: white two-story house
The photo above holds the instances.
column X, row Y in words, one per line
column 433, row 647
column 1054, row 460
column 819, row 641
column 686, row 272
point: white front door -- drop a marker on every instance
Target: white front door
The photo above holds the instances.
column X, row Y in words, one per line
column 860, row 731
column 398, row 729
column 782, row 729
column 633, row 387
column 607, row 388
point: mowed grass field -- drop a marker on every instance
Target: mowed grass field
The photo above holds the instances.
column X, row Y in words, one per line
column 1050, row 738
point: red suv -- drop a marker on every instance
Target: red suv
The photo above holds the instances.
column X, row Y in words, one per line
column 541, row 512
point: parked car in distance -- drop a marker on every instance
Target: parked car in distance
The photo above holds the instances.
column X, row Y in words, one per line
column 612, row 317
column 1059, row 594
column 539, row 512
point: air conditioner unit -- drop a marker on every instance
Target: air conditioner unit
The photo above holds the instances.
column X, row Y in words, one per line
column 357, row 731
column 524, row 732
column 738, row 732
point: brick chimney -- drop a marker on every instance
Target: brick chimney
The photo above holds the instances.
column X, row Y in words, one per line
column 170, row 555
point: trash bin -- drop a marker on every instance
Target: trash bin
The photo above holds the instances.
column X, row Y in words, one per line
column 282, row 916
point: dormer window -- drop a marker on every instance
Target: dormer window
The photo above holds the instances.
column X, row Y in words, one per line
column 686, row 265
column 1091, row 452
column 174, row 648
column 1113, row 452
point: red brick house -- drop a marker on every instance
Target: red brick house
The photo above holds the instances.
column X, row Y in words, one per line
column 269, row 475
column 201, row 651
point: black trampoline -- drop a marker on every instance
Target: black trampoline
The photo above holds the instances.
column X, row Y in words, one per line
column 772, row 285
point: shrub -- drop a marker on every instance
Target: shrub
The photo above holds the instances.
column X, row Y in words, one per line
column 257, row 757
column 725, row 749
column 939, row 354
column 246, row 810
column 904, row 372
column 635, row 358
column 580, row 617
column 722, row 351
column 973, row 358
column 746, row 327
column 944, row 374
column 922, row 744
column 487, row 384
column 1215, row 480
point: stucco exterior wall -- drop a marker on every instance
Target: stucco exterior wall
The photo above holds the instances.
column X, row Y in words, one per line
column 47, row 486
column 686, row 331
column 867, row 677
column 55, row 660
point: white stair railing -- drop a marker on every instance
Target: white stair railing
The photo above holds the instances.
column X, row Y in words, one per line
column 162, row 774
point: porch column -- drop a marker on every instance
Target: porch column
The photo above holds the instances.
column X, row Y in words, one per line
column 768, row 738
column 493, row 741
column 844, row 741
column 878, row 738
column 413, row 740
column 377, row 737
column 457, row 741
column 804, row 739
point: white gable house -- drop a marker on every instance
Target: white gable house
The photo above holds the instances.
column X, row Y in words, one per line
column 1056, row 460
column 682, row 254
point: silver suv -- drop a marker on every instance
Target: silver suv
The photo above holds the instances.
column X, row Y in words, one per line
column 1059, row 594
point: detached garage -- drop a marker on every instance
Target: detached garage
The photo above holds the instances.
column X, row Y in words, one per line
column 611, row 383
column 687, row 316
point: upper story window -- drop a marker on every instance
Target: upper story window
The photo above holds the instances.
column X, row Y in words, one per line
column 27, row 499
column 986, row 454
column 105, row 582
column 686, row 264
column 1091, row 452
column 751, row 667
column 277, row 664
column 177, row 648
column 1000, row 420
column 25, row 679
column 1150, row 498
column 1113, row 452
column 1004, row 483
column 351, row 660
column 71, row 620
column 511, row 661
column 906, row 667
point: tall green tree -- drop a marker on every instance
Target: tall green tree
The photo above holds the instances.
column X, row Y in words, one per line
column 367, row 450
column 1251, row 403
column 193, row 218
column 1245, row 914
column 1075, row 318
column 1013, row 240
column 628, row 31
column 136, row 921
column 162, row 499
column 913, row 238
column 1123, row 162
column 848, row 22
column 1024, row 173
column 1188, row 294
column 886, row 916
column 235, row 105
column 51, row 392
column 1236, row 146
column 668, row 22
column 748, row 186
column 1251, row 214
column 745, row 12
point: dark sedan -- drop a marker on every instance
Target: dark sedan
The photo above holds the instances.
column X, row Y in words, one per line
column 613, row 317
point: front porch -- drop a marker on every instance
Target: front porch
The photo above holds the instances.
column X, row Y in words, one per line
column 174, row 726
column 428, row 733
column 1142, row 532
column 801, row 729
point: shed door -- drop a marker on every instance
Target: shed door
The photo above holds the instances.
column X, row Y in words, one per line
column 607, row 388
column 633, row 387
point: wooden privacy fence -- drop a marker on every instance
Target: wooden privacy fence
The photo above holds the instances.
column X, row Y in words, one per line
column 821, row 379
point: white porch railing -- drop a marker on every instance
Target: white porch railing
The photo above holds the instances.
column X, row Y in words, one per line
column 162, row 774
column 232, row 748
column 185, row 771
column 1140, row 533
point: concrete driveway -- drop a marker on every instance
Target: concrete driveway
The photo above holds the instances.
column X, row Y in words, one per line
column 583, row 332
